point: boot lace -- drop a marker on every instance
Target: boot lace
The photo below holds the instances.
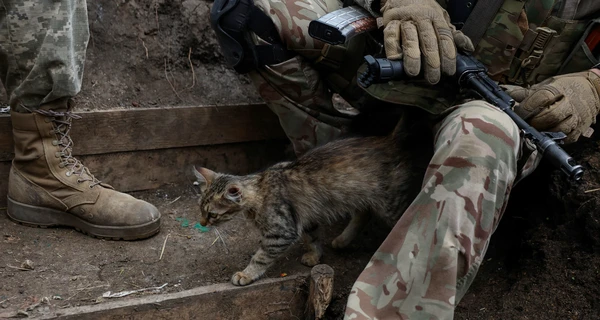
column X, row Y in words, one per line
column 62, row 127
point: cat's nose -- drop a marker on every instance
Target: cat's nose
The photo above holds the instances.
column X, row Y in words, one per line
column 203, row 221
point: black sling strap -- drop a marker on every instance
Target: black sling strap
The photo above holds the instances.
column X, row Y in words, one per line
column 480, row 18
column 263, row 26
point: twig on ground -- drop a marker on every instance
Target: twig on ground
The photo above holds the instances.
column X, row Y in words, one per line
column 192, row 66
column 146, row 48
column 163, row 247
column 174, row 200
column 592, row 190
column 108, row 294
column 18, row 268
column 3, row 301
column 170, row 83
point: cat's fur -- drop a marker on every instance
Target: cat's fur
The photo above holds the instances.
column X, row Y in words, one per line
column 356, row 177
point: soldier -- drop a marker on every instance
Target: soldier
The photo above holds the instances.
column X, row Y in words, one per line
column 543, row 51
column 42, row 53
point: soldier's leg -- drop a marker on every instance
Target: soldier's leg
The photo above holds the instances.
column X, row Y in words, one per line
column 296, row 94
column 42, row 51
column 429, row 259
column 293, row 89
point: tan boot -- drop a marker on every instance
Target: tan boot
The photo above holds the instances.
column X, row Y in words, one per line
column 48, row 187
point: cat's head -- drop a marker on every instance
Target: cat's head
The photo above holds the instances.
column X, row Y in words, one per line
column 221, row 196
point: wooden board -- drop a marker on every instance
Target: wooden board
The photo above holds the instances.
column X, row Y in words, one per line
column 144, row 170
column 267, row 299
column 109, row 131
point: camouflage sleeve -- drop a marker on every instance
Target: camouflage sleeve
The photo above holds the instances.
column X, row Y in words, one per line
column 581, row 10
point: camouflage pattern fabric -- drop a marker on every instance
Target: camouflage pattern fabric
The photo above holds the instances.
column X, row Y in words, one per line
column 304, row 108
column 42, row 50
column 294, row 89
column 516, row 50
column 430, row 258
column 516, row 46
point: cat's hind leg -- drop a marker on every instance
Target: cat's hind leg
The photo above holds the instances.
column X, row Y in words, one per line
column 354, row 227
column 312, row 243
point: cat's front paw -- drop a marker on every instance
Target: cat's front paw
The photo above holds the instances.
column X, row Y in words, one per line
column 241, row 279
column 310, row 259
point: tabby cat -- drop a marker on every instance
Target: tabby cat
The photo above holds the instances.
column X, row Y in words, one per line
column 356, row 177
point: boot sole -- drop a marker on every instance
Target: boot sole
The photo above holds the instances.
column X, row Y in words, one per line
column 44, row 217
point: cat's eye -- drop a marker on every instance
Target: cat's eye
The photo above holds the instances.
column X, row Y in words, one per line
column 213, row 214
column 233, row 190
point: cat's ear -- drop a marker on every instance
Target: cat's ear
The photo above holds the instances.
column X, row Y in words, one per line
column 204, row 177
column 234, row 193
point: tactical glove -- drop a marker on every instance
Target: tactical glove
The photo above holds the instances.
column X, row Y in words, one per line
column 567, row 103
column 422, row 27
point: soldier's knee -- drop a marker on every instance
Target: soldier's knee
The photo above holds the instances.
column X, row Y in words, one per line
column 484, row 127
column 292, row 18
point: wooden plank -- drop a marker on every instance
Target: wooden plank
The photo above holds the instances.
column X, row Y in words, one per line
column 145, row 170
column 156, row 128
column 268, row 299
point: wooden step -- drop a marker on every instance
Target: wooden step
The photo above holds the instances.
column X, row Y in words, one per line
column 271, row 299
column 144, row 148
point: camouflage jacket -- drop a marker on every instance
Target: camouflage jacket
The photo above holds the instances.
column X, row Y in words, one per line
column 527, row 42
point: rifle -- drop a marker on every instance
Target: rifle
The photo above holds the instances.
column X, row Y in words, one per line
column 470, row 73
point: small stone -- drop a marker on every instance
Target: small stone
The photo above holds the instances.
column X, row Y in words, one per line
column 27, row 264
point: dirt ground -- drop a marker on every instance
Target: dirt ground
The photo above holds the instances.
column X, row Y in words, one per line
column 163, row 52
column 542, row 262
column 71, row 269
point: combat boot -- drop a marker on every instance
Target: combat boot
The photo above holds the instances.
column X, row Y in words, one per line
column 49, row 187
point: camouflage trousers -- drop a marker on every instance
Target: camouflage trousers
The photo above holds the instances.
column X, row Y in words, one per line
column 432, row 255
column 42, row 50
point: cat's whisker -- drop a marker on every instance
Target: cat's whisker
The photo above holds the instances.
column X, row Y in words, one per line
column 222, row 240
